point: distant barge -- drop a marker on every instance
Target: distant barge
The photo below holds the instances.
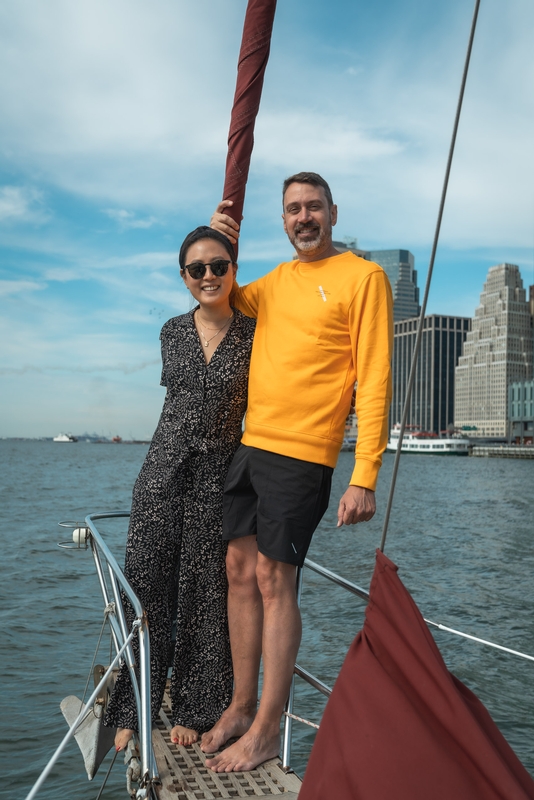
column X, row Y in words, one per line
column 502, row 451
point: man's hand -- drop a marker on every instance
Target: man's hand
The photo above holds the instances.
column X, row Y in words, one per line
column 223, row 223
column 356, row 505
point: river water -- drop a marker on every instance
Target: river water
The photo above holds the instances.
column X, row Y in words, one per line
column 461, row 532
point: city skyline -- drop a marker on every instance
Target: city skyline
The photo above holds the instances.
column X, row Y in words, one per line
column 498, row 352
column 113, row 145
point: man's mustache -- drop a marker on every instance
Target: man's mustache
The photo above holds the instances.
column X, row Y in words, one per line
column 306, row 226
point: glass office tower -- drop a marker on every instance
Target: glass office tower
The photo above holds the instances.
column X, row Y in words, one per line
column 399, row 266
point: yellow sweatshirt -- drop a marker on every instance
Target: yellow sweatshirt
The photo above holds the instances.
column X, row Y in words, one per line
column 321, row 326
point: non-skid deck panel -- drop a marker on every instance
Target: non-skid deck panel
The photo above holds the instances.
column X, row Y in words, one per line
column 184, row 775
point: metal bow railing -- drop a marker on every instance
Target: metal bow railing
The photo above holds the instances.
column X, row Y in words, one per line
column 112, row 583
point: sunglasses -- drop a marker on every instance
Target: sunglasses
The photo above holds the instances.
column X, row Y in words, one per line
column 197, row 269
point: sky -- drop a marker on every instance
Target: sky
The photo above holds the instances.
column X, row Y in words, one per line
column 113, row 139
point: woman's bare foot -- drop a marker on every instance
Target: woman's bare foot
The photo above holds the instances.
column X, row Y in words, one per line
column 122, row 737
column 183, row 736
column 234, row 722
column 253, row 748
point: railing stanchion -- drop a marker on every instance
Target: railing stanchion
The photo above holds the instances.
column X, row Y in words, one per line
column 145, row 728
column 288, row 722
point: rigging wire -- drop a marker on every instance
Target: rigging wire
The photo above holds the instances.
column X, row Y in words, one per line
column 418, row 338
column 108, row 773
column 477, row 639
column 109, row 609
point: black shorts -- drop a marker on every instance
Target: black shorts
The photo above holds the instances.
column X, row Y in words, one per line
column 278, row 499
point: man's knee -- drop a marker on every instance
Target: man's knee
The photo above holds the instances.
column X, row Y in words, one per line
column 275, row 578
column 241, row 559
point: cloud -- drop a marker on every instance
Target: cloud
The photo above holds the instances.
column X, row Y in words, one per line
column 116, row 270
column 338, row 142
column 22, row 204
column 104, row 100
column 151, row 260
column 110, row 102
column 127, row 220
column 19, row 287
column 125, row 369
column 121, row 109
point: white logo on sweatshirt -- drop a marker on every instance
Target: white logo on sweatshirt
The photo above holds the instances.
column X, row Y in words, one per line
column 322, row 291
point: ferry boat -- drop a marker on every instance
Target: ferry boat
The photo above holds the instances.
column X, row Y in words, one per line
column 64, row 437
column 415, row 440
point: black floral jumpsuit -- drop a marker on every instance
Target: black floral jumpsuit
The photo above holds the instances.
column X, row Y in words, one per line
column 175, row 556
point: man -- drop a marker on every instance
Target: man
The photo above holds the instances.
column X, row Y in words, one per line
column 324, row 321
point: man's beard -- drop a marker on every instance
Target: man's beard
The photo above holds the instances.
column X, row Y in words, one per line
column 310, row 246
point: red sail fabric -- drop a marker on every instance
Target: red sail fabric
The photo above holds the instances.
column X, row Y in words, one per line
column 253, row 57
column 399, row 726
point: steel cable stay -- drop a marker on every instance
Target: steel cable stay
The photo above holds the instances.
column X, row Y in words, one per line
column 108, row 773
column 419, row 335
column 110, row 608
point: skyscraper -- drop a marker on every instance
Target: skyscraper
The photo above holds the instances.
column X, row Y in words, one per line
column 497, row 352
column 432, row 401
column 399, row 266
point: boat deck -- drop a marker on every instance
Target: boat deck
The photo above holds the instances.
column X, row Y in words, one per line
column 184, row 775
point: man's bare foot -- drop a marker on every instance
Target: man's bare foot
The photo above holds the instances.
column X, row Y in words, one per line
column 122, row 737
column 242, row 756
column 183, row 736
column 234, row 722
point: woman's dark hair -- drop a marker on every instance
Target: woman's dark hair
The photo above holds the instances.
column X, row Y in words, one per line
column 204, row 232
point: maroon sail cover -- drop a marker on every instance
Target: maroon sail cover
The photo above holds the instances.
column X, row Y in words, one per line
column 253, row 57
column 399, row 725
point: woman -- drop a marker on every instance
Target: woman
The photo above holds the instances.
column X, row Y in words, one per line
column 175, row 557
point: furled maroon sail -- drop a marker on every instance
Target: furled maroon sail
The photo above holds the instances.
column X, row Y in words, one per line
column 253, row 57
column 399, row 725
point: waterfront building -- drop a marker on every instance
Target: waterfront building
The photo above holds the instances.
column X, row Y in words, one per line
column 521, row 411
column 432, row 401
column 351, row 428
column 352, row 245
column 497, row 352
column 399, row 267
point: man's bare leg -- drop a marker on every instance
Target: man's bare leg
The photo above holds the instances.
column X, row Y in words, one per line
column 281, row 639
column 245, row 621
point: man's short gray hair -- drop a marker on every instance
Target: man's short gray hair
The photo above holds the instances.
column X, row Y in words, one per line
column 312, row 178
